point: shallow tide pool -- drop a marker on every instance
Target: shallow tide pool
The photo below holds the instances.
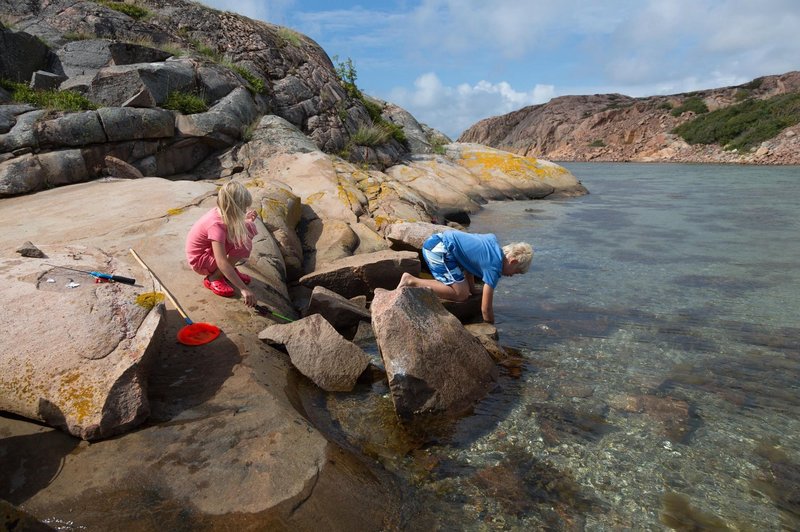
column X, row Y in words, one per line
column 659, row 386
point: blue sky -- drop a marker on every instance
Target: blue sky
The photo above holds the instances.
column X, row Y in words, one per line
column 453, row 62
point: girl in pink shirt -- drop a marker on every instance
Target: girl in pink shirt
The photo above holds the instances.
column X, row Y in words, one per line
column 222, row 237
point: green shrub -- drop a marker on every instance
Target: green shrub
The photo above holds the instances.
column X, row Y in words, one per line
column 598, row 143
column 694, row 104
column 347, row 76
column 256, row 84
column 47, row 99
column 743, row 125
column 666, row 106
column 186, row 103
column 741, row 95
column 132, row 10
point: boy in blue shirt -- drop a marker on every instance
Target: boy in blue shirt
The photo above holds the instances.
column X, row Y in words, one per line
column 455, row 258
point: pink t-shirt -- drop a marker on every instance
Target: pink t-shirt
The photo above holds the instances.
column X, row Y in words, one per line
column 211, row 228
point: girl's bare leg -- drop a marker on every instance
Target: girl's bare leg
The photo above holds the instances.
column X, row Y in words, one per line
column 453, row 292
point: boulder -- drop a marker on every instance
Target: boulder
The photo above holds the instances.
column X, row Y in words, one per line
column 339, row 311
column 216, row 81
column 434, row 365
column 369, row 241
column 274, row 131
column 326, row 241
column 362, row 274
column 114, row 85
column 41, row 80
column 486, row 333
column 125, row 123
column 224, row 122
column 82, row 365
column 72, row 129
column 411, row 235
column 9, row 113
column 20, row 175
column 319, row 352
column 118, row 168
column 21, row 134
column 21, row 54
column 28, row 249
column 280, row 210
column 86, row 57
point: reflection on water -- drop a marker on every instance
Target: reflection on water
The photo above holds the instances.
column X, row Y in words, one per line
column 661, row 359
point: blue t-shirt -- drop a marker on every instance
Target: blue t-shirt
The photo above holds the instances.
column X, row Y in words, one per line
column 480, row 255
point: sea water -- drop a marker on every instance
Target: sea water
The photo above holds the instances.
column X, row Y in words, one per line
column 658, row 376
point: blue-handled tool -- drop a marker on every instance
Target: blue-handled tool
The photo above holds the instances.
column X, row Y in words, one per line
column 99, row 275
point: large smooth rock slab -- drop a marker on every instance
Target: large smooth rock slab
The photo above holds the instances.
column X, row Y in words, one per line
column 434, row 365
column 362, row 274
column 76, row 353
column 319, row 352
column 411, row 235
column 514, row 176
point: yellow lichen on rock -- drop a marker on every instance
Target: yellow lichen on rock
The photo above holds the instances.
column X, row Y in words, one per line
column 149, row 300
column 314, row 197
column 78, row 396
column 175, row 212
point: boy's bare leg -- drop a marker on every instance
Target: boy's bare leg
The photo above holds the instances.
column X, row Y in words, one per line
column 453, row 292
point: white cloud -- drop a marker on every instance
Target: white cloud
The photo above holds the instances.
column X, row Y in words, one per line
column 273, row 11
column 453, row 109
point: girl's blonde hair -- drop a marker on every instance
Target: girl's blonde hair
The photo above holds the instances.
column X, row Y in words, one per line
column 521, row 251
column 233, row 200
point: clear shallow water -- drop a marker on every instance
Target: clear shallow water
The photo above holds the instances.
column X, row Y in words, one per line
column 660, row 385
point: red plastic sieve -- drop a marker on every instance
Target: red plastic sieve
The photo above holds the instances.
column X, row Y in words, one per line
column 192, row 333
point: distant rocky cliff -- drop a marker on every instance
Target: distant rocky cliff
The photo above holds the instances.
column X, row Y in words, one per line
column 614, row 127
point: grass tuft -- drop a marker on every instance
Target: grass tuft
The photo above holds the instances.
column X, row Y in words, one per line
column 186, row 103
column 132, row 10
column 47, row 99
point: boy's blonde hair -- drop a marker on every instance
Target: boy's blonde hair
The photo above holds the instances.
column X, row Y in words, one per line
column 521, row 251
column 233, row 199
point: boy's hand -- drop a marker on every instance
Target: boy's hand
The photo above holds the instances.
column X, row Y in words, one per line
column 251, row 215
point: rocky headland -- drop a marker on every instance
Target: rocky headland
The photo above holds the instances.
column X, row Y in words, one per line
column 619, row 128
column 111, row 423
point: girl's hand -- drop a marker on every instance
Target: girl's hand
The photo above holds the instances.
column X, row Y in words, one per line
column 248, row 297
column 251, row 215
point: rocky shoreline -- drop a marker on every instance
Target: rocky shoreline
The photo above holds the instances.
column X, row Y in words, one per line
column 111, row 422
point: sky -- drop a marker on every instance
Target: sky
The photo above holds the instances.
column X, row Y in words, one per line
column 451, row 63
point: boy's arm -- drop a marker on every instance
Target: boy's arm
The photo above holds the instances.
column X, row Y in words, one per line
column 486, row 304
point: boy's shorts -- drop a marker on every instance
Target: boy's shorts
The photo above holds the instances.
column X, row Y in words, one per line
column 441, row 264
